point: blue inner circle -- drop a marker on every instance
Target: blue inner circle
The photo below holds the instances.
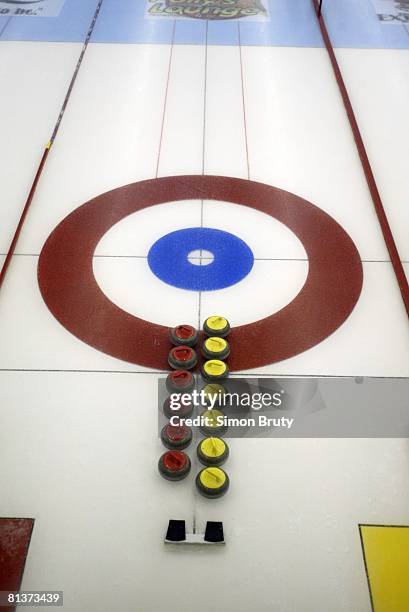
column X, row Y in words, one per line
column 168, row 259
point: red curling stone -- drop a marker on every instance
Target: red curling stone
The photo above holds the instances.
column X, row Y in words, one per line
column 174, row 465
column 180, row 381
column 182, row 358
column 176, row 436
column 182, row 411
column 184, row 335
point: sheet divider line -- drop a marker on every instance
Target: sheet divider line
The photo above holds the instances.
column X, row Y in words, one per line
column 366, row 165
column 23, row 216
column 47, row 149
column 4, row 28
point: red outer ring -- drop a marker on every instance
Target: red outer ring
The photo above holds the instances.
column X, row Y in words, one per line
column 69, row 288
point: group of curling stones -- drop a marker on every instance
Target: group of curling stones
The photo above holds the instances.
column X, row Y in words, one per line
column 212, row 451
